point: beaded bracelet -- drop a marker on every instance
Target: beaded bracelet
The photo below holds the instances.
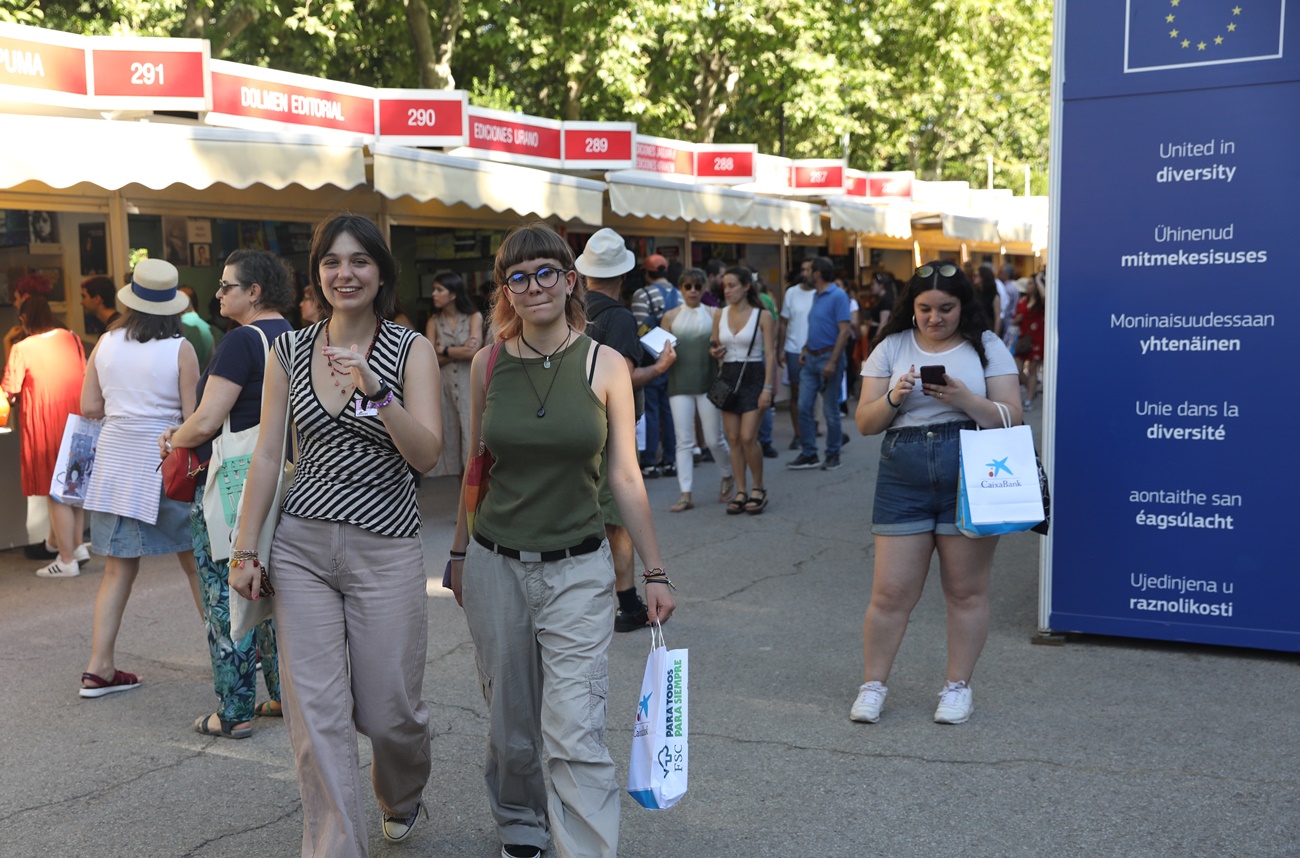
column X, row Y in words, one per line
column 657, row 576
column 242, row 554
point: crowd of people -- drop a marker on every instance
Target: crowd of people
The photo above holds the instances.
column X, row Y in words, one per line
column 565, row 381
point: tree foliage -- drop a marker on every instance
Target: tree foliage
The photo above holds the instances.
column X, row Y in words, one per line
column 935, row 86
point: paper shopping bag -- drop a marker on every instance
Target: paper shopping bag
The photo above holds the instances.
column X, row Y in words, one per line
column 998, row 490
column 656, row 776
column 76, row 460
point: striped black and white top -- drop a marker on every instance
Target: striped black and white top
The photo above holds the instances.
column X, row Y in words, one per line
column 348, row 468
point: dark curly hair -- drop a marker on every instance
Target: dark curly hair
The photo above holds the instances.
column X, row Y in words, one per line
column 270, row 272
column 972, row 324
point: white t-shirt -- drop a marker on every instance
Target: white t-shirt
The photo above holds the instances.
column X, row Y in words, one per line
column 899, row 353
column 795, row 309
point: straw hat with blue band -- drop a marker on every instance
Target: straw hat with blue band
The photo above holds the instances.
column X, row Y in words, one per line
column 153, row 289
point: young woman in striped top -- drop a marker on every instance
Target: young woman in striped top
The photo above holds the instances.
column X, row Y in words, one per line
column 346, row 565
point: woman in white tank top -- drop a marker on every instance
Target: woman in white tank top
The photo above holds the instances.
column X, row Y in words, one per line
column 743, row 340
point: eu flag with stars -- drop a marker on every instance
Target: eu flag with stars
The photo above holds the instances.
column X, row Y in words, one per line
column 1171, row 34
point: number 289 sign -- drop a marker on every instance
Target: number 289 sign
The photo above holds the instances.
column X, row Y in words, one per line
column 598, row 145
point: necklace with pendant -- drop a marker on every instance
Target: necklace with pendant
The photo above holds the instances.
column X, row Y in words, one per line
column 546, row 364
column 541, row 400
column 374, row 338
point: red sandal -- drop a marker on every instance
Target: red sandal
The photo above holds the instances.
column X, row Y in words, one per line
column 121, row 681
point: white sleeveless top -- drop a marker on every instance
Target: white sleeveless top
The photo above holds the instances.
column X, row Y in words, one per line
column 142, row 397
column 737, row 344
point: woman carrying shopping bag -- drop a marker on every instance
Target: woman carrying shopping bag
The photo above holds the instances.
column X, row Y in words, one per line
column 255, row 290
column 538, row 578
column 937, row 328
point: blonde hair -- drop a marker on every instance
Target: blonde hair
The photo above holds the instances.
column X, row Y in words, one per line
column 533, row 241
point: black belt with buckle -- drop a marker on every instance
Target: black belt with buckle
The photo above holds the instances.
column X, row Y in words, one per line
column 586, row 546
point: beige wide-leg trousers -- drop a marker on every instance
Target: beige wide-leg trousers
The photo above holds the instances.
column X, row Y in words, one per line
column 541, row 638
column 350, row 616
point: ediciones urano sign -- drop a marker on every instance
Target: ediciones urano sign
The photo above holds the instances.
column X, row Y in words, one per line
column 1178, row 124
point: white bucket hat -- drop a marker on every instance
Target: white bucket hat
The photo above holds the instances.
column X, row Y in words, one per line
column 153, row 290
column 605, row 256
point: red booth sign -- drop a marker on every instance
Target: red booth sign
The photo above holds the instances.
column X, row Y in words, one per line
column 817, row 176
column 513, row 138
column 896, row 186
column 150, row 74
column 42, row 66
column 663, row 156
column 725, row 163
column 251, row 97
column 598, row 145
column 423, row 117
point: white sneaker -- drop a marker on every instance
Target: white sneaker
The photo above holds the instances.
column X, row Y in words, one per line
column 82, row 553
column 955, row 704
column 871, row 697
column 396, row 829
column 59, row 569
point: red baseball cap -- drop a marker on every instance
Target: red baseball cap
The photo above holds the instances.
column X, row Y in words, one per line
column 655, row 264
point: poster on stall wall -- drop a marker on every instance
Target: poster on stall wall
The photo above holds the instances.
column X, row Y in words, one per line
column 1175, row 312
column 93, row 244
column 176, row 241
column 198, row 230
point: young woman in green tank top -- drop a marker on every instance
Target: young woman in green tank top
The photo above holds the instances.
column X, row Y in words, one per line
column 536, row 578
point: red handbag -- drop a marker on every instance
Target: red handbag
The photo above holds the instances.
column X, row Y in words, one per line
column 480, row 464
column 180, row 472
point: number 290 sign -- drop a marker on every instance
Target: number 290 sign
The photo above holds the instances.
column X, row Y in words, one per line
column 422, row 117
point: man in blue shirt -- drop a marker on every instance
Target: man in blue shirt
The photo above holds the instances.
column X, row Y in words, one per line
column 822, row 363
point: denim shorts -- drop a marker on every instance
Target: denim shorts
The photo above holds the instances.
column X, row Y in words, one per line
column 916, row 489
column 119, row 536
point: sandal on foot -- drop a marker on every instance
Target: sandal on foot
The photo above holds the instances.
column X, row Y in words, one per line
column 727, row 490
column 683, row 504
column 737, row 504
column 121, row 681
column 227, row 728
column 269, row 709
column 755, row 504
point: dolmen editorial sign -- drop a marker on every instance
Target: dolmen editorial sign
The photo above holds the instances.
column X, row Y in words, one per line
column 1176, row 293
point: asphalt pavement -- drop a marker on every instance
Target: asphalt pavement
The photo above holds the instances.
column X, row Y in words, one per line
column 1096, row 747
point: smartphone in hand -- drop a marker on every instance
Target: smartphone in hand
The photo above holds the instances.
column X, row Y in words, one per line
column 933, row 374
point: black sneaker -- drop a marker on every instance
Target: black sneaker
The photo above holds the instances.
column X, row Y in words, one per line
column 650, row 472
column 769, row 452
column 804, row 462
column 667, row 469
column 706, row 455
column 630, row 622
column 795, row 443
column 832, row 463
column 844, row 439
column 38, row 551
column 520, row 850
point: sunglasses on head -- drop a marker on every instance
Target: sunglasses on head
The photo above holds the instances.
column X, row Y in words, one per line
column 946, row 269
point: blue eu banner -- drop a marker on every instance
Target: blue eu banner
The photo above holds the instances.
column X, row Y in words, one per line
column 1173, row 34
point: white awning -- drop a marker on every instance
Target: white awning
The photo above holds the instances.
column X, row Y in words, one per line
column 423, row 175
column 970, row 228
column 786, row 216
column 639, row 195
column 62, row 152
column 876, row 220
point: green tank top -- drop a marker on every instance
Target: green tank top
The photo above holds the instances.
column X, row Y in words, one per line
column 694, row 370
column 542, row 493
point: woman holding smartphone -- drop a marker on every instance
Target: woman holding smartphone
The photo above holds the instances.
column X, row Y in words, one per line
column 938, row 325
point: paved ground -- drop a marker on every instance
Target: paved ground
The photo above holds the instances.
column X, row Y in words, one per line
column 1098, row 747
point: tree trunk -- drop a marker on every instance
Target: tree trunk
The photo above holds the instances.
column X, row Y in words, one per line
column 195, row 16
column 714, row 84
column 433, row 54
